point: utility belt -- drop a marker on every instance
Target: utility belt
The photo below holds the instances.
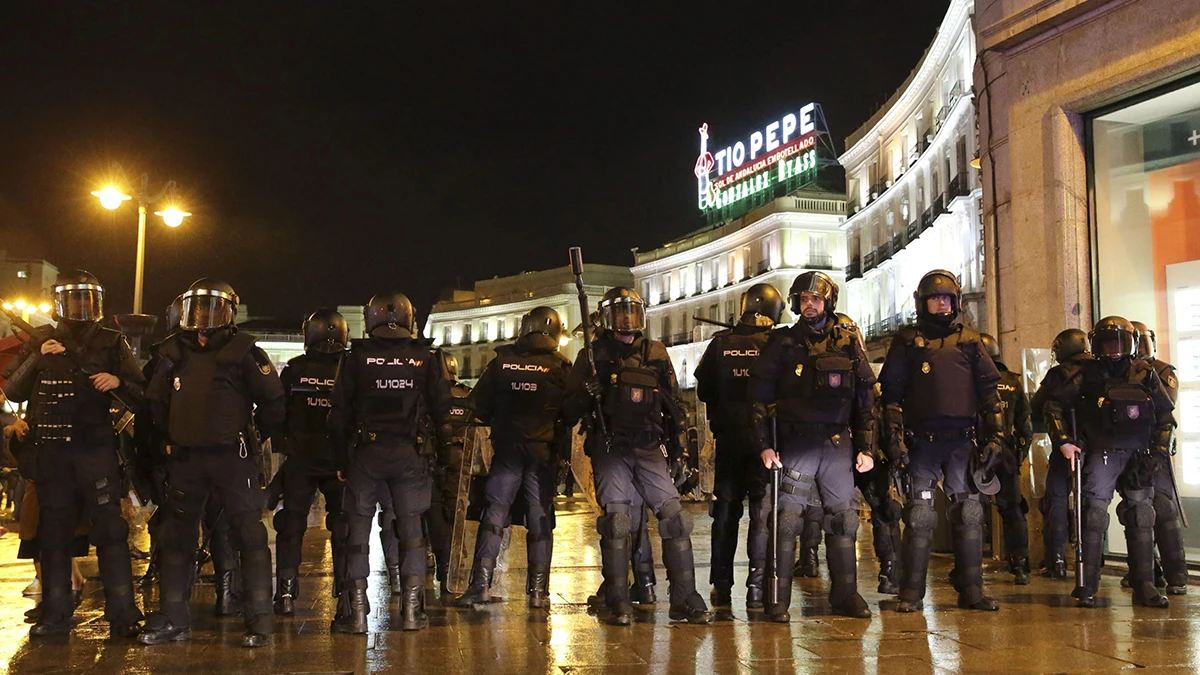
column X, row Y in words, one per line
column 636, row 439
column 810, row 429
column 366, row 436
column 943, row 435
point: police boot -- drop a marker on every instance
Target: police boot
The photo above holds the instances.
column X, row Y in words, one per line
column 159, row 629
column 1169, row 539
column 1138, row 520
column 124, row 617
column 778, row 611
column 57, row 608
column 151, row 574
column 355, row 621
column 287, row 589
column 809, row 564
column 538, row 587
column 413, row 604
column 614, row 560
column 888, row 577
column 642, row 591
column 1056, row 566
column 725, row 515
column 1019, row 566
column 393, row 572
column 226, row 595
column 597, row 600
column 754, row 588
column 686, row 603
column 479, row 590
column 966, row 528
column 1095, row 524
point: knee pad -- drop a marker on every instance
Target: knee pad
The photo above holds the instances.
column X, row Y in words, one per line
column 673, row 521
column 1164, row 508
column 1139, row 514
column 966, row 511
column 615, row 523
column 247, row 531
column 919, row 515
column 108, row 530
column 842, row 523
column 790, row 522
column 1095, row 515
column 892, row 511
column 726, row 510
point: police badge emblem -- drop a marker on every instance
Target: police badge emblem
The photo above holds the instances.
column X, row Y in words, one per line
column 799, row 369
column 1133, row 412
column 1172, row 382
column 635, row 394
column 176, row 383
column 264, row 368
column 835, row 380
column 925, row 367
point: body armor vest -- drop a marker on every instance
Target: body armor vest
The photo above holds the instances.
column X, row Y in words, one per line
column 633, row 400
column 1116, row 411
column 390, row 398
column 735, row 354
column 308, row 404
column 64, row 405
column 529, row 388
column 461, row 414
column 941, row 377
column 210, row 400
column 817, row 381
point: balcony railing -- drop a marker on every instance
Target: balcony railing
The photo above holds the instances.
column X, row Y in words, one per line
column 869, row 261
column 664, row 298
column 878, row 189
column 677, row 339
column 854, row 269
column 884, row 252
column 817, row 261
column 763, row 267
column 960, row 186
column 899, row 241
column 939, row 205
column 927, row 219
column 914, row 228
column 886, row 327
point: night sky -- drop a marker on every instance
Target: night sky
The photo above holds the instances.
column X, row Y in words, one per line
column 332, row 150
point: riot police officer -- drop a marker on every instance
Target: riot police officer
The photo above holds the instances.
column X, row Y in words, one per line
column 875, row 487
column 520, row 394
column 722, row 379
column 210, row 385
column 1125, row 423
column 308, row 381
column 1018, row 426
column 1070, row 349
column 69, row 378
column 823, row 389
column 439, row 520
column 1167, row 533
column 641, row 411
column 389, row 381
column 938, row 383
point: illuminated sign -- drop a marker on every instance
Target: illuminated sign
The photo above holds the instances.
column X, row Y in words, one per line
column 779, row 154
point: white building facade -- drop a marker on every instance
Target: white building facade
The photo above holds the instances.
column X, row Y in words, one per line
column 471, row 324
column 913, row 197
column 705, row 274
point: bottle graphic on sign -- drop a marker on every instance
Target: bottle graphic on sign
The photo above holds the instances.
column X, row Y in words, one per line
column 704, row 166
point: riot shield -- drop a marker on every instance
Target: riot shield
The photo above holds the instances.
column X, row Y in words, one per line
column 468, row 508
column 581, row 467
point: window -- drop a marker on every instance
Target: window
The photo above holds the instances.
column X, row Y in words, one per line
column 446, row 335
column 22, row 274
column 466, row 366
column 466, row 336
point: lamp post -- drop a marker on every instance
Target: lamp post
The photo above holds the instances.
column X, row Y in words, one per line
column 112, row 198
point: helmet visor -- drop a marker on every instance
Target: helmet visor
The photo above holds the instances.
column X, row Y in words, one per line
column 79, row 302
column 624, row 316
column 1112, row 344
column 203, row 311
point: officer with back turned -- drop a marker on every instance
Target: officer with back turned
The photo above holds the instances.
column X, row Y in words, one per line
column 439, row 519
column 818, row 378
column 68, row 378
column 520, row 395
column 1070, row 349
column 308, row 382
column 938, row 384
column 1018, row 427
column 640, row 404
column 722, row 379
column 210, row 380
column 390, row 380
column 1126, row 426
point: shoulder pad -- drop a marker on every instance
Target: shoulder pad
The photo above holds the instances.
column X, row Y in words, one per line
column 563, row 357
column 297, row 360
column 460, row 390
column 237, row 347
column 658, row 351
column 261, row 360
column 503, row 349
column 171, row 349
column 109, row 337
column 907, row 335
column 968, row 334
column 723, row 332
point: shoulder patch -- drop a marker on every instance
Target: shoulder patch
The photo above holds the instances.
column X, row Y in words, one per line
column 262, row 361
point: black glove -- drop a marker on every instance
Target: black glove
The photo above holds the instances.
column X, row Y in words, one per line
column 593, row 387
column 991, row 453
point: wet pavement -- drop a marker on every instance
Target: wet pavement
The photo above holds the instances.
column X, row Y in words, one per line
column 1037, row 630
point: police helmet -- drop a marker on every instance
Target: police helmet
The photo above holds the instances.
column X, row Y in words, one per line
column 174, row 314
column 325, row 331
column 78, row 297
column 208, row 305
column 389, row 315
column 449, row 363
column 1114, row 338
column 623, row 311
column 844, row 322
column 983, row 475
column 1147, row 341
column 541, row 327
column 818, row 283
column 991, row 346
column 1068, row 343
column 762, row 305
column 934, row 283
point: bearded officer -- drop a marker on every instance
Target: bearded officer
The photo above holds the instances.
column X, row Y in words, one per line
column 722, row 379
column 938, row 385
column 818, row 378
column 210, row 381
column 637, row 386
column 1124, row 421
column 520, row 395
column 390, row 380
column 68, row 379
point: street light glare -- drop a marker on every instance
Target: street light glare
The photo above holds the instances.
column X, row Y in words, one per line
column 20, row 304
column 172, row 216
column 111, row 197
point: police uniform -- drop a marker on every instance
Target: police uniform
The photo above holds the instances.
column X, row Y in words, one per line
column 722, row 379
column 388, row 382
column 520, row 396
column 822, row 386
column 1124, row 427
column 640, row 406
column 1167, row 533
column 937, row 384
column 71, row 426
column 203, row 397
column 439, row 519
column 1010, row 503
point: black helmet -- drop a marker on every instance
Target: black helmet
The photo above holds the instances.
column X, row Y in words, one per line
column 991, row 346
column 814, row 282
column 390, row 313
column 1147, row 341
column 449, row 363
column 1113, row 338
column 762, row 305
column 174, row 314
column 622, row 310
column 542, row 328
column 844, row 322
column 78, row 296
column 983, row 475
column 938, row 282
column 325, row 331
column 1068, row 343
column 209, row 305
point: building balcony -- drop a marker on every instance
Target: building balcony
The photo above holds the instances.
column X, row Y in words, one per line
column 677, row 339
column 960, row 186
column 818, row 261
column 886, row 327
column 868, row 261
column 899, row 241
column 854, row 270
column 763, row 267
column 883, row 253
column 913, row 229
column 939, row 205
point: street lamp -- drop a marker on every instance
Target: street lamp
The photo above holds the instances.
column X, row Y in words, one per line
column 111, row 198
